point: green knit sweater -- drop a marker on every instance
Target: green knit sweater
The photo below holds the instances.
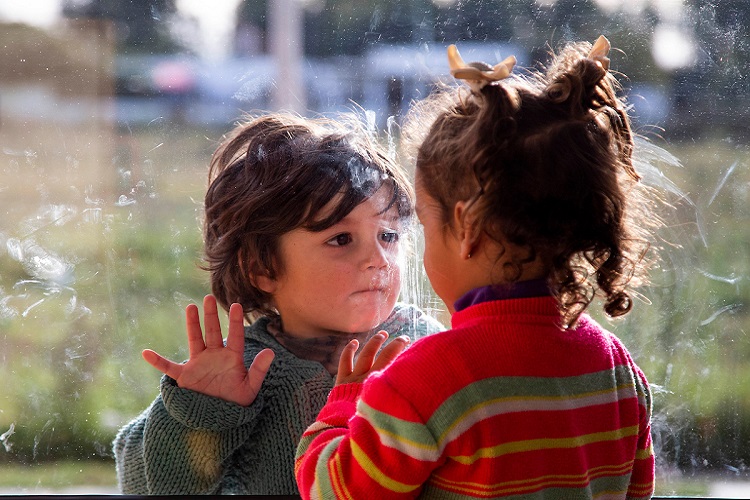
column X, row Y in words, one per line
column 189, row 443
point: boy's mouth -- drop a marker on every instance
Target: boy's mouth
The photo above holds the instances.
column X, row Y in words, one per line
column 373, row 290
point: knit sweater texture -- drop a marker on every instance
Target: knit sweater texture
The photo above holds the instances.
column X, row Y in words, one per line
column 505, row 404
column 189, row 443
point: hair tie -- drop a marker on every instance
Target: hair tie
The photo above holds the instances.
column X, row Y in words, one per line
column 599, row 52
column 478, row 74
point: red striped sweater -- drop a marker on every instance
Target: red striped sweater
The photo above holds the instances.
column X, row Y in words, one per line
column 504, row 404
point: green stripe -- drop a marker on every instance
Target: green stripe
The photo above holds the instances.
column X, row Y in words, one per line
column 514, row 388
column 304, row 444
column 478, row 400
column 415, row 434
column 611, row 485
column 644, row 394
column 322, row 478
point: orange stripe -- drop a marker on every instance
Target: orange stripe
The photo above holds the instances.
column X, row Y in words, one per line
column 528, row 485
column 337, row 479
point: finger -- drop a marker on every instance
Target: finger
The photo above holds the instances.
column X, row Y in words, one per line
column 167, row 367
column 262, row 362
column 258, row 370
column 211, row 323
column 236, row 335
column 369, row 351
column 346, row 361
column 194, row 332
column 390, row 352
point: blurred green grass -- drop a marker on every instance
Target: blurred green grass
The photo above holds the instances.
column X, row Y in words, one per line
column 97, row 475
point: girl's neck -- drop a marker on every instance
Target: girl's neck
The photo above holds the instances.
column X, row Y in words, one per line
column 326, row 350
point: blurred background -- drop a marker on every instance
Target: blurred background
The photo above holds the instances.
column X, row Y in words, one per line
column 110, row 109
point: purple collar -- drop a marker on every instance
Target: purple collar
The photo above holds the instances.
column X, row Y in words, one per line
column 518, row 290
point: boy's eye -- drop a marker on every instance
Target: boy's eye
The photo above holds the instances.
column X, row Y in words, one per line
column 389, row 236
column 340, row 240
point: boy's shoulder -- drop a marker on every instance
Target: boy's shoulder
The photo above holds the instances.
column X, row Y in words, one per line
column 408, row 319
column 257, row 333
column 258, row 337
column 286, row 367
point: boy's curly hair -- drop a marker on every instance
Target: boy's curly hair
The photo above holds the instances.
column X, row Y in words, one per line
column 273, row 174
column 549, row 158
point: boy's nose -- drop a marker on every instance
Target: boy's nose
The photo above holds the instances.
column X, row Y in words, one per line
column 376, row 256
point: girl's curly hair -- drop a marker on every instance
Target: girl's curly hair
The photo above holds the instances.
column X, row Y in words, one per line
column 548, row 158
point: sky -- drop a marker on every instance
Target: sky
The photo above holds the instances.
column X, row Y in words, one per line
column 36, row 12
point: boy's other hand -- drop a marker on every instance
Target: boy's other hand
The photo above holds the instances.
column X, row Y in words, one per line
column 213, row 368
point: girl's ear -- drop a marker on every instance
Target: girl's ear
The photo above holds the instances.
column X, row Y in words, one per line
column 469, row 235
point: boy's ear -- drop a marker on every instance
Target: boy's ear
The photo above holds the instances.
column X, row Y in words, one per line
column 468, row 233
column 258, row 276
column 263, row 282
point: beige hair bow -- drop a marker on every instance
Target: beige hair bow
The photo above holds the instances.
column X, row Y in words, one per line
column 599, row 52
column 478, row 74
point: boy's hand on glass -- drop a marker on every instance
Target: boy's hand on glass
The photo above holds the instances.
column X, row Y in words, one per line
column 369, row 360
column 213, row 368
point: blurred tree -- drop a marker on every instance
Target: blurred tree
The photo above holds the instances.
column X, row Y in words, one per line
column 251, row 22
column 720, row 27
column 486, row 20
column 402, row 21
column 709, row 90
column 334, row 27
column 348, row 27
column 141, row 26
column 566, row 20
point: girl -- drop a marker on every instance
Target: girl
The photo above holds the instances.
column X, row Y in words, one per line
column 525, row 191
column 303, row 220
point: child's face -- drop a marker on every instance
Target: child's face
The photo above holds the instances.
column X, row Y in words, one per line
column 441, row 249
column 343, row 279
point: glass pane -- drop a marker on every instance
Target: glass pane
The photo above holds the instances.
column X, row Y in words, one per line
column 109, row 112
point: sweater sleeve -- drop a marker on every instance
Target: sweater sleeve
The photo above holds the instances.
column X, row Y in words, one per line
column 179, row 443
column 642, row 480
column 358, row 449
